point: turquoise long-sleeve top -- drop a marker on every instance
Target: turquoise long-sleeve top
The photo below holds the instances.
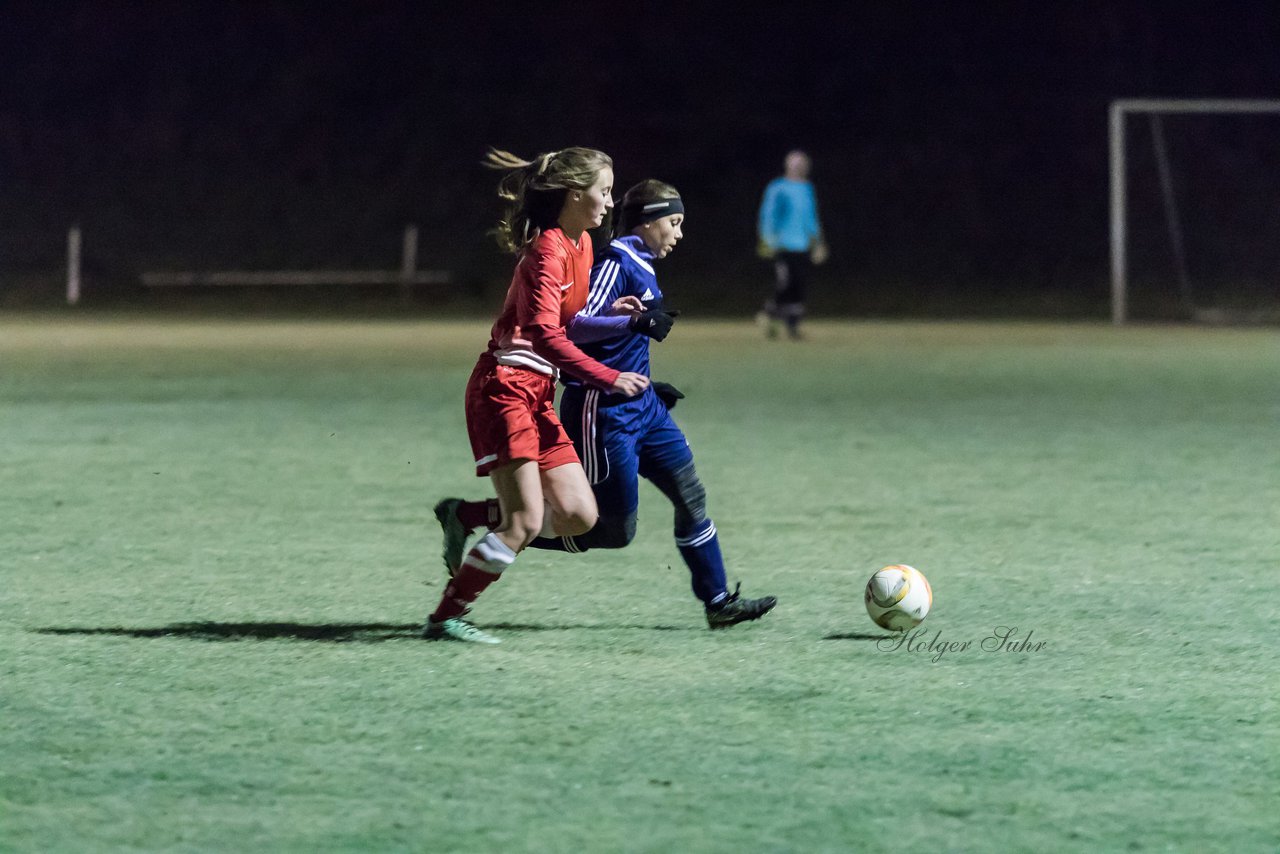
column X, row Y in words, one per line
column 789, row 215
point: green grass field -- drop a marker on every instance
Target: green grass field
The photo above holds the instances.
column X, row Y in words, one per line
column 216, row 555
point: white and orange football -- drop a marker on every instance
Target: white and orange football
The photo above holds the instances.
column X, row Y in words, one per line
column 898, row 597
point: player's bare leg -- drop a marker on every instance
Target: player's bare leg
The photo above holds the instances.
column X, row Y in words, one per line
column 571, row 501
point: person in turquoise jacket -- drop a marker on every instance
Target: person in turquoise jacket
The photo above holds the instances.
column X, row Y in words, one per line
column 791, row 237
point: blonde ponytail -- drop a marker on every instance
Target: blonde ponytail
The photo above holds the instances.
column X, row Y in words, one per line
column 534, row 190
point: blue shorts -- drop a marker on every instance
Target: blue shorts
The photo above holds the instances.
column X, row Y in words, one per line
column 620, row 440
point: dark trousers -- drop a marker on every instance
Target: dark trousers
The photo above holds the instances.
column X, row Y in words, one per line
column 791, row 272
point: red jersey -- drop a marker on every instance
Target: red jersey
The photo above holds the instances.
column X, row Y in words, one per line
column 550, row 286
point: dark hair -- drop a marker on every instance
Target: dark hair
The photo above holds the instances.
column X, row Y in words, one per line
column 647, row 191
column 535, row 189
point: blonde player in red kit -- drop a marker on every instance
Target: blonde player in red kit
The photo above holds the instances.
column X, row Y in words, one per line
column 516, row 436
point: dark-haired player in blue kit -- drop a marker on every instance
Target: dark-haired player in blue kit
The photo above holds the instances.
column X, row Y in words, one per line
column 621, row 439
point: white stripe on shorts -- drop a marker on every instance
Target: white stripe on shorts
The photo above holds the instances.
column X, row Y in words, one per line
column 587, row 430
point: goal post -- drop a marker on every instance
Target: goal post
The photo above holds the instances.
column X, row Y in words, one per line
column 1155, row 107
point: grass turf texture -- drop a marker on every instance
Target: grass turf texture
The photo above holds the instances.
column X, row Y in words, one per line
column 218, row 547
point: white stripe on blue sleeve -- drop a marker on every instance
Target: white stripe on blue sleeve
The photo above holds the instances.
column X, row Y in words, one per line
column 602, row 282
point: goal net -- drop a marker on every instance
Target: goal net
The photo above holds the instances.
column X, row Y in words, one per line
column 1195, row 210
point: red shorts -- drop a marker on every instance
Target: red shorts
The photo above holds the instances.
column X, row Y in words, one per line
column 511, row 416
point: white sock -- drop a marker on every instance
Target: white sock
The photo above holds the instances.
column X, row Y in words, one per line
column 490, row 554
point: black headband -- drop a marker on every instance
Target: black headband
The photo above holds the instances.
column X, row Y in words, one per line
column 638, row 213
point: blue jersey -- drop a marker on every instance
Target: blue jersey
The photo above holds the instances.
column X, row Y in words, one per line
column 789, row 215
column 624, row 269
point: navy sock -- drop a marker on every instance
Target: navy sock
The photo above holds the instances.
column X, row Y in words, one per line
column 700, row 549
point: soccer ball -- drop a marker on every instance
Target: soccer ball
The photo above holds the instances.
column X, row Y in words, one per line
column 898, row 597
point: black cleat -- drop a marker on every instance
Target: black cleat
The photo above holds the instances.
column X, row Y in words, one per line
column 735, row 609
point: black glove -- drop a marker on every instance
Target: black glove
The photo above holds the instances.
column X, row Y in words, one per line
column 654, row 322
column 668, row 394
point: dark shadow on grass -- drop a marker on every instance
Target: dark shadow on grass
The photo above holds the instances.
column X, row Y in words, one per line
column 857, row 636
column 326, row 632
column 535, row 627
column 331, row 632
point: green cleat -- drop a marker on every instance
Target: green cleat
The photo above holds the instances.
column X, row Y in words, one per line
column 455, row 534
column 458, row 629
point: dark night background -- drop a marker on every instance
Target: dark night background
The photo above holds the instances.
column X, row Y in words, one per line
column 960, row 149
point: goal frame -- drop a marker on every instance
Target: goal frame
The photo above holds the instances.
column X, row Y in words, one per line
column 1120, row 109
